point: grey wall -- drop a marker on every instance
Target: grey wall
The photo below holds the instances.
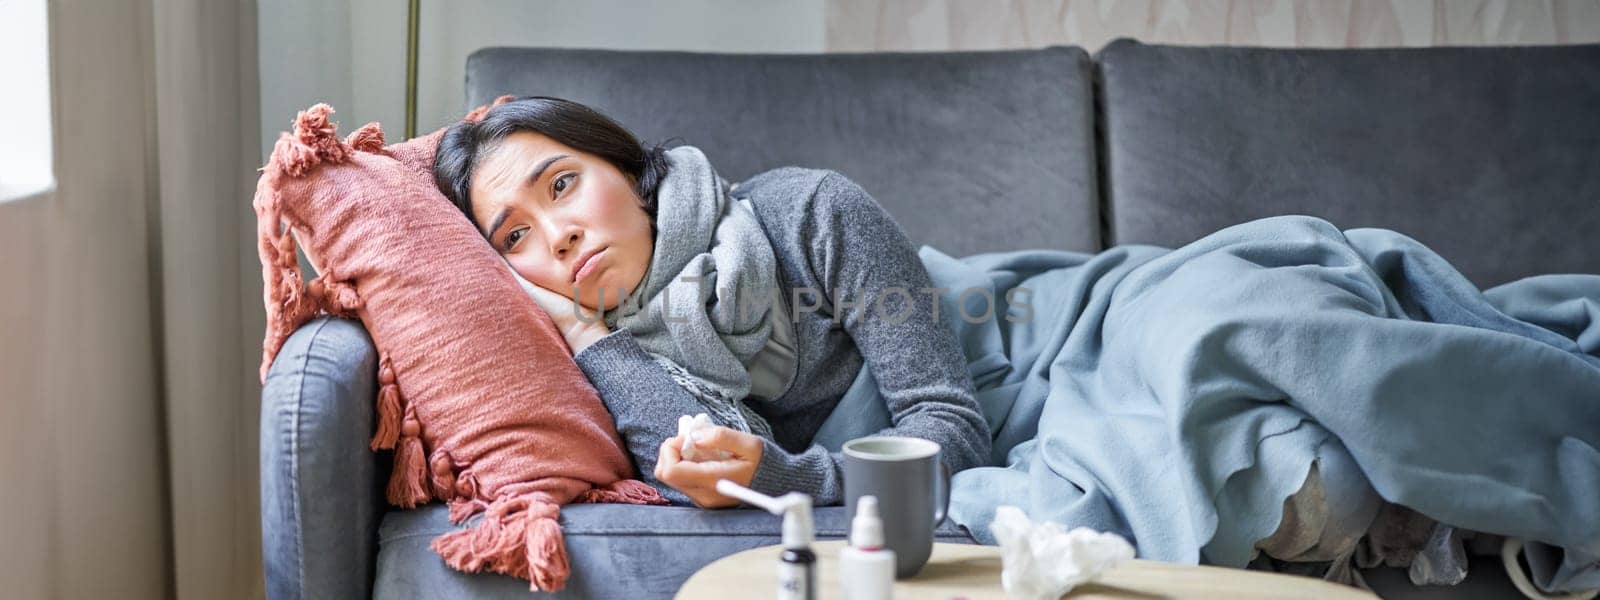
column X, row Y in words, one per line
column 870, row 25
column 305, row 58
column 351, row 53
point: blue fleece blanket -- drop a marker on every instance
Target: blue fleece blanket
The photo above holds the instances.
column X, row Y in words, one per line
column 1177, row 397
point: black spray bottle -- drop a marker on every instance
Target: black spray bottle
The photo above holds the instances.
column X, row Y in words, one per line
column 797, row 566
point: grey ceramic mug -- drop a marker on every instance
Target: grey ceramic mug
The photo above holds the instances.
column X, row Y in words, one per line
column 913, row 490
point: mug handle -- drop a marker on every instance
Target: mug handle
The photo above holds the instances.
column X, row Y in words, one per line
column 944, row 491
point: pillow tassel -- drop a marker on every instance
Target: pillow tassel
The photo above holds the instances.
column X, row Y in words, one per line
column 282, row 290
column 408, row 479
column 336, row 297
column 546, row 553
column 369, row 138
column 444, row 477
column 465, row 505
column 622, row 491
column 518, row 536
column 291, row 157
column 315, row 140
column 388, row 408
column 313, row 129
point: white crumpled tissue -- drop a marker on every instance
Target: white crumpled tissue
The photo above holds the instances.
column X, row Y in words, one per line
column 1040, row 561
column 687, row 425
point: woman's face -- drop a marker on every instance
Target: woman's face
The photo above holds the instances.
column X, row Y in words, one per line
column 562, row 218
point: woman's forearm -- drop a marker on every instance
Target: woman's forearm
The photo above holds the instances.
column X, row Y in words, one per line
column 815, row 472
column 642, row 398
column 645, row 403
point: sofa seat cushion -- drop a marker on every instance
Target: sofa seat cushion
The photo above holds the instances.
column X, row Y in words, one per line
column 616, row 550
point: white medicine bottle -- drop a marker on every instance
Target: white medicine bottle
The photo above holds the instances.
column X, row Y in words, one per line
column 866, row 568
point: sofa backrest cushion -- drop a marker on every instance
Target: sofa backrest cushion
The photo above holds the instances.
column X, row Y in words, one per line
column 1491, row 156
column 971, row 152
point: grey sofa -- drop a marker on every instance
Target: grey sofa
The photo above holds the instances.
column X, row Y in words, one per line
column 1489, row 155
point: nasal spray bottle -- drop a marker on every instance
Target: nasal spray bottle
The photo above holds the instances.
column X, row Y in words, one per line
column 866, row 568
column 797, row 567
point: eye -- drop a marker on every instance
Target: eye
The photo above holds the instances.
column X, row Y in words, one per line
column 562, row 182
column 513, row 237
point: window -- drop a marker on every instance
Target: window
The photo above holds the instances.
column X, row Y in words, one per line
column 25, row 155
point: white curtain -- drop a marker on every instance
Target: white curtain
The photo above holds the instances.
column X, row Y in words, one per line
column 130, row 305
column 82, row 472
column 206, row 99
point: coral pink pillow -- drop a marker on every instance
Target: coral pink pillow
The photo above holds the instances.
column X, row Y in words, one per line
column 480, row 397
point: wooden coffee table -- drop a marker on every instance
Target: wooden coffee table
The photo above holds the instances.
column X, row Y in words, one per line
column 970, row 571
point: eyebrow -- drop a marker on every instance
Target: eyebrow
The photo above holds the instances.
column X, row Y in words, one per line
column 538, row 171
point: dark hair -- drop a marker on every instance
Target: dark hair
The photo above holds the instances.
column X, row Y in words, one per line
column 568, row 123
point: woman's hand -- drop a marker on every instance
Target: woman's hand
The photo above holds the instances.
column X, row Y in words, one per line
column 698, row 480
column 579, row 332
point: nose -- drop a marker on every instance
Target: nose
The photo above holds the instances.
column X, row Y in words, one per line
column 564, row 240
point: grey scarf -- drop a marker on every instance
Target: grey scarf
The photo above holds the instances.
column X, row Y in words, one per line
column 705, row 307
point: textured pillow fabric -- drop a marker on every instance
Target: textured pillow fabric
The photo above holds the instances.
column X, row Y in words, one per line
column 480, row 398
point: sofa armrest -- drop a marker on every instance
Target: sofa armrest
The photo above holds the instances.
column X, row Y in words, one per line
column 320, row 495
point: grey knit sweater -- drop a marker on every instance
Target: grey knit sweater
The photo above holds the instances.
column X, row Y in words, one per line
column 828, row 235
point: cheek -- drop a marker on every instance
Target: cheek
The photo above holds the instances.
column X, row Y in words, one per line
column 612, row 203
column 615, row 210
column 535, row 271
column 628, row 223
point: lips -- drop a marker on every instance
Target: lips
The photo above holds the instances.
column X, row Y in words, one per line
column 586, row 263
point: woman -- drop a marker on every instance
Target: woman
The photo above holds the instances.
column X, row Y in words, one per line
column 1276, row 387
column 679, row 296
